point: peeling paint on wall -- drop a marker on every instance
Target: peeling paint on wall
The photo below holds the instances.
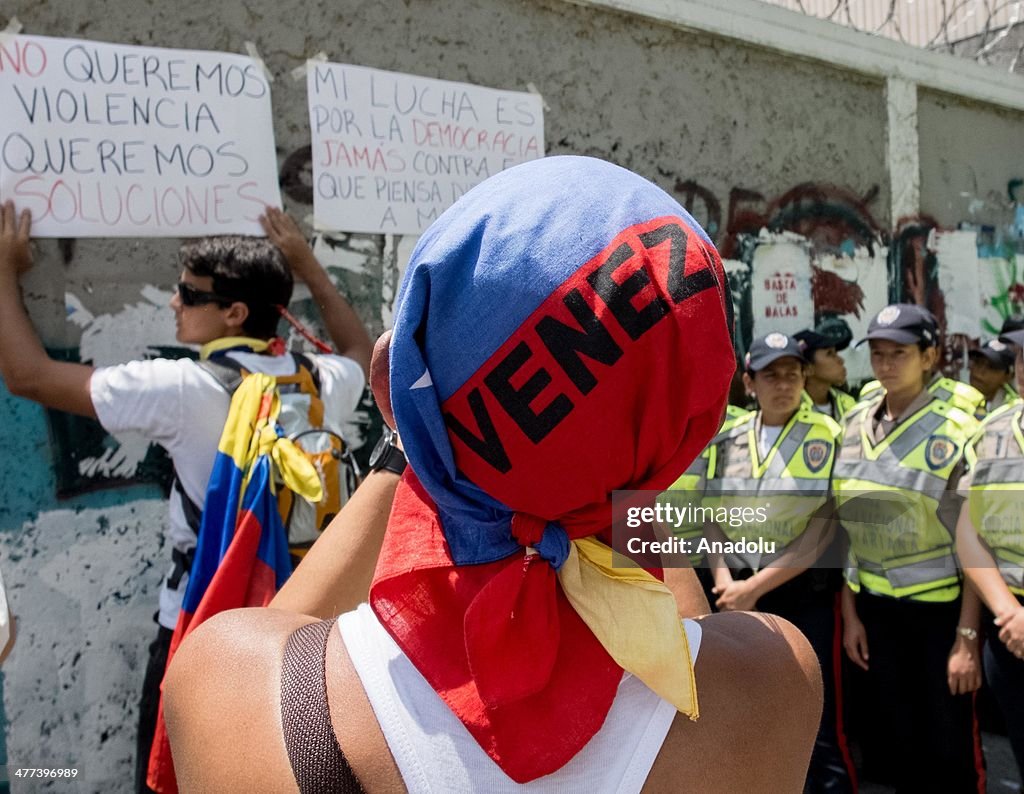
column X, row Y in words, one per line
column 83, row 584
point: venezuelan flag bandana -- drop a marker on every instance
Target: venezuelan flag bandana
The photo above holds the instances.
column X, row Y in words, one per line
column 563, row 332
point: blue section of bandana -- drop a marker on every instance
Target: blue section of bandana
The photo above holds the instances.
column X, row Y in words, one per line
column 475, row 276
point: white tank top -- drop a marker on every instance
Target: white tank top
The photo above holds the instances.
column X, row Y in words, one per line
column 435, row 753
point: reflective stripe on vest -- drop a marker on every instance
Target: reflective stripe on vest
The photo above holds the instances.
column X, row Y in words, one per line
column 960, row 395
column 887, row 497
column 997, row 493
column 796, row 490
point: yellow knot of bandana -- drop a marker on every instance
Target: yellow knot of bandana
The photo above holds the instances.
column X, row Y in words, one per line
column 635, row 618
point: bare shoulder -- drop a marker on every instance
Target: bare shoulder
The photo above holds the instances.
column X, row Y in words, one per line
column 759, row 689
column 222, row 703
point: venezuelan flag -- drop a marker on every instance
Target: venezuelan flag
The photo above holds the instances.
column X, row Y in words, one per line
column 241, row 557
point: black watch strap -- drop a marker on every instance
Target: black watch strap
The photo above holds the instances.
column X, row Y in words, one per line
column 393, row 460
column 387, row 456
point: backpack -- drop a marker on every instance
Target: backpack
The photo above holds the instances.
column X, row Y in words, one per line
column 301, row 420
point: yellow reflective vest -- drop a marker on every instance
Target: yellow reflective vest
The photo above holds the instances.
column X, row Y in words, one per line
column 689, row 488
column 996, row 492
column 790, row 483
column 887, row 499
column 841, row 403
column 957, row 393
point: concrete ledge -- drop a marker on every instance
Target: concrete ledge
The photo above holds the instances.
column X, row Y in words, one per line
column 792, row 33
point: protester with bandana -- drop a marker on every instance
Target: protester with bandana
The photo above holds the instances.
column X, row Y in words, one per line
column 562, row 333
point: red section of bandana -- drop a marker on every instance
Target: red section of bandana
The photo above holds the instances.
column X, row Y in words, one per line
column 531, row 696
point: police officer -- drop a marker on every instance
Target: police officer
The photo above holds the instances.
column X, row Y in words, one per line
column 690, row 489
column 991, row 373
column 905, row 622
column 990, row 542
column 960, row 395
column 826, row 372
column 780, row 456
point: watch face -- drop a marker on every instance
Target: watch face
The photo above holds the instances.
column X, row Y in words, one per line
column 381, row 448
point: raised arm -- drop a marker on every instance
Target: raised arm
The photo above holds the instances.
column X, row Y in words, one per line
column 335, row 575
column 344, row 327
column 26, row 368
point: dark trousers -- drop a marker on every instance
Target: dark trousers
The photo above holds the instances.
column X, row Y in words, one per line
column 149, row 704
column 917, row 734
column 1005, row 675
column 814, row 612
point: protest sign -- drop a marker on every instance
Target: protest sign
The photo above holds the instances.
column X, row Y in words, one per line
column 111, row 140
column 781, row 284
column 392, row 151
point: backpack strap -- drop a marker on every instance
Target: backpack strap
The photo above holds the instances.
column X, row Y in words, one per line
column 193, row 517
column 316, row 758
column 229, row 373
column 225, row 370
column 302, row 360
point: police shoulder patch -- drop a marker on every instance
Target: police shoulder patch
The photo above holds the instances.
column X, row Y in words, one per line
column 816, row 454
column 939, row 451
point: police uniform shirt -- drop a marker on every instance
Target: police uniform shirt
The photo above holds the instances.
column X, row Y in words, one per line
column 996, row 402
column 767, row 435
column 882, row 425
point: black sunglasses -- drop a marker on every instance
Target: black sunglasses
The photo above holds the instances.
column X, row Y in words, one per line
column 190, row 296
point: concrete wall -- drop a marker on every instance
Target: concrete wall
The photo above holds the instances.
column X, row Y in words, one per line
column 745, row 137
column 969, row 154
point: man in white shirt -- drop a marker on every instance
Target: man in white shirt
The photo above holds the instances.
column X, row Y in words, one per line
column 227, row 301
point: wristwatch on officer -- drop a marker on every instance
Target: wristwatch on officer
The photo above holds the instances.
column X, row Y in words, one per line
column 387, row 455
column 967, row 632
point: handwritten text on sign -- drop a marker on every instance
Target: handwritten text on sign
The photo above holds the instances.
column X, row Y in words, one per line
column 780, row 291
column 105, row 140
column 392, row 151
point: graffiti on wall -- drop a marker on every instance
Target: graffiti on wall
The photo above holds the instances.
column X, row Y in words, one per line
column 982, row 265
column 814, row 254
column 823, row 241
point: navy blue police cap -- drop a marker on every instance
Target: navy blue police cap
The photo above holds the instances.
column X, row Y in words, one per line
column 905, row 324
column 766, row 349
column 997, row 353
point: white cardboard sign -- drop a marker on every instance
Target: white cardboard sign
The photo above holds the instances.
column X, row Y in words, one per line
column 392, row 151
column 111, row 140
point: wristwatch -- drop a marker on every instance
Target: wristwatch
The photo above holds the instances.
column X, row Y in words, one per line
column 967, row 632
column 386, row 455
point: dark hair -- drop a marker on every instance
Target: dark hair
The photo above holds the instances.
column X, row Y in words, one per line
column 248, row 269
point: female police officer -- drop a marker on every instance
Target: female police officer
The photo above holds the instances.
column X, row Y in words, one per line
column 901, row 452
column 779, row 457
column 990, row 542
